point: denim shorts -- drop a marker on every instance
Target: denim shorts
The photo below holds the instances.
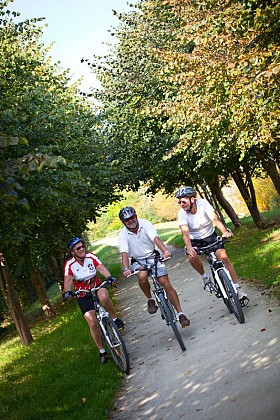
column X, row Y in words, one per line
column 161, row 268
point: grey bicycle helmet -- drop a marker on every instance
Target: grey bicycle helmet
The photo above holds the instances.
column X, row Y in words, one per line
column 185, row 192
column 72, row 242
column 126, row 212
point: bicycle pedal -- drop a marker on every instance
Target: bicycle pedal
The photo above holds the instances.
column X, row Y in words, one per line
column 244, row 302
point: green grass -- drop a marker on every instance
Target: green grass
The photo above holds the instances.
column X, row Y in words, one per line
column 59, row 375
column 51, row 378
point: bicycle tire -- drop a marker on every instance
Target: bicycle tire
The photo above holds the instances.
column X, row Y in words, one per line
column 118, row 350
column 171, row 319
column 233, row 300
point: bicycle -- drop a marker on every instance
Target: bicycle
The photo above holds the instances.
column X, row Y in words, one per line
column 222, row 285
column 167, row 309
column 109, row 331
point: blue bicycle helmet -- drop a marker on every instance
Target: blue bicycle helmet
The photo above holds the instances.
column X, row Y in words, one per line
column 185, row 192
column 126, row 213
column 73, row 242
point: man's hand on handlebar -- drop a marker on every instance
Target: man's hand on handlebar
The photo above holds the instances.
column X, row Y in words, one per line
column 192, row 251
column 167, row 255
column 112, row 281
column 126, row 272
column 227, row 234
column 68, row 295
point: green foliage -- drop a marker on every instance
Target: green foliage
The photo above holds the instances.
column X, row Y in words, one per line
column 55, row 173
column 191, row 90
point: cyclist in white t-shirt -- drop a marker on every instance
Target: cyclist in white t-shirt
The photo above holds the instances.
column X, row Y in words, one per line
column 139, row 241
column 197, row 219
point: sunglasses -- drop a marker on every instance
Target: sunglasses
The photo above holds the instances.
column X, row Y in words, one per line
column 79, row 248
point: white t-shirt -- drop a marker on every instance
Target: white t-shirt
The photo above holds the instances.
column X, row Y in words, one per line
column 200, row 224
column 141, row 244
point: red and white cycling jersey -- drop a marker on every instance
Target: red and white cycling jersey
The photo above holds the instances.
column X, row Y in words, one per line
column 84, row 276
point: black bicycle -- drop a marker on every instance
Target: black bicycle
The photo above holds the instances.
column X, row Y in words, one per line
column 221, row 284
column 110, row 333
column 167, row 309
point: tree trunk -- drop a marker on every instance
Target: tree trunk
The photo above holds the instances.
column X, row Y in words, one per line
column 41, row 292
column 12, row 301
column 212, row 199
column 56, row 270
column 247, row 191
column 217, row 192
column 270, row 168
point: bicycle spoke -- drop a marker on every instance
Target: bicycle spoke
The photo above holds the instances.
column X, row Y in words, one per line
column 232, row 300
column 116, row 345
column 170, row 318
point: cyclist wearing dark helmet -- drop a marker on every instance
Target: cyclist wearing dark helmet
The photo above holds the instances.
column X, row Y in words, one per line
column 197, row 220
column 80, row 271
column 139, row 241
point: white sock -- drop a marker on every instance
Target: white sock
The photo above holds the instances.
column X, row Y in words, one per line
column 102, row 351
column 205, row 276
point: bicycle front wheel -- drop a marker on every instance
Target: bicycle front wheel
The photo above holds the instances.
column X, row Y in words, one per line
column 116, row 345
column 169, row 315
column 233, row 301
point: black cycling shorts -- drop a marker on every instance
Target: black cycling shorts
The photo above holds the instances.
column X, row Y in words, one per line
column 207, row 241
column 86, row 304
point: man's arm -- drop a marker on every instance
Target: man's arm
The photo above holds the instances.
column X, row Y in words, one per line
column 187, row 240
column 158, row 242
column 67, row 283
column 103, row 270
column 218, row 223
column 125, row 264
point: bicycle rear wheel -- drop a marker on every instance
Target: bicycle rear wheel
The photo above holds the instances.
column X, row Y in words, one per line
column 233, row 302
column 169, row 315
column 116, row 345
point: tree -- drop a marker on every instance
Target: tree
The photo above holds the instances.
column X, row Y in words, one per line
column 55, row 171
column 186, row 87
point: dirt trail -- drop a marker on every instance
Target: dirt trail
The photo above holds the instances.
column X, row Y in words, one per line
column 229, row 371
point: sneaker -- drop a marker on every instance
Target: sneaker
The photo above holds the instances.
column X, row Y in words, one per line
column 119, row 323
column 103, row 358
column 184, row 321
column 151, row 306
column 240, row 293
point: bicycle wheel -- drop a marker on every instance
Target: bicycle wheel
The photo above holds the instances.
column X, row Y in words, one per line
column 170, row 318
column 116, row 345
column 233, row 300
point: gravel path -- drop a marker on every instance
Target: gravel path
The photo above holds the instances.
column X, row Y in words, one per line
column 229, row 371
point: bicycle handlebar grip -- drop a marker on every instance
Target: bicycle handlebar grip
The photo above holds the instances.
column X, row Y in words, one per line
column 68, row 294
column 112, row 281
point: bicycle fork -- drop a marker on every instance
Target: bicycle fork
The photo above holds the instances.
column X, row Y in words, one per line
column 221, row 287
column 101, row 313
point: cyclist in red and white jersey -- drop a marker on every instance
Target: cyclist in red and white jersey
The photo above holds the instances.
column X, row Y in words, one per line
column 80, row 271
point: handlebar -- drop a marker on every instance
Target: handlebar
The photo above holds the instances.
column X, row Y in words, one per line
column 149, row 266
column 105, row 283
column 220, row 240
